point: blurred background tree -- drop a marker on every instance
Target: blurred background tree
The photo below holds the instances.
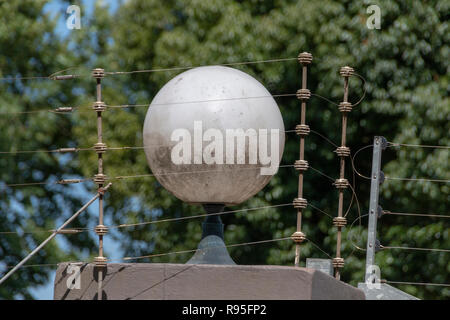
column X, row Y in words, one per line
column 405, row 64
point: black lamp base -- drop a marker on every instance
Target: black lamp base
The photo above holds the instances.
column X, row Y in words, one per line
column 212, row 249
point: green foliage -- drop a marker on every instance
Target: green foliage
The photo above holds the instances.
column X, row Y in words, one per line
column 405, row 64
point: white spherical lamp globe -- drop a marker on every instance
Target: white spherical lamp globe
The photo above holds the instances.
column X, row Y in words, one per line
column 201, row 131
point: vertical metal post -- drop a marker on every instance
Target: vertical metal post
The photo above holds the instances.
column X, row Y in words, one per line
column 100, row 178
column 341, row 184
column 301, row 165
column 377, row 177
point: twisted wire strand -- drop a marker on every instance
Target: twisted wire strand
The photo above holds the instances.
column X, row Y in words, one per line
column 358, row 207
column 193, row 250
column 396, row 144
column 198, row 216
column 353, row 161
column 72, row 181
column 187, row 172
column 163, row 254
column 353, row 104
column 364, row 89
column 418, row 179
column 324, row 137
column 412, row 248
column 428, row 215
column 317, row 247
column 349, row 234
column 179, row 252
column 77, row 149
column 320, row 210
column 418, row 283
column 51, row 77
column 63, row 181
column 322, row 174
column 393, row 178
column 123, row 106
column 77, row 230
column 191, row 67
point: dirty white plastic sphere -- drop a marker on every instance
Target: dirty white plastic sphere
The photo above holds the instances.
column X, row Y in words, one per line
column 221, row 98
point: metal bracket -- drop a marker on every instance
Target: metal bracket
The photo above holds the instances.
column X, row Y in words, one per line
column 374, row 209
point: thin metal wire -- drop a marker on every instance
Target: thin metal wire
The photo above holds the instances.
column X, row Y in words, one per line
column 353, row 161
column 191, row 67
column 324, row 137
column 52, row 76
column 205, row 101
column 353, row 105
column 24, row 78
column 416, row 249
column 187, row 172
column 123, row 106
column 350, row 232
column 71, row 150
column 418, row 283
column 428, row 215
column 395, row 144
column 320, row 210
column 418, row 179
column 197, row 216
column 315, row 245
column 193, row 250
column 180, row 252
column 60, row 150
column 357, row 201
column 78, row 230
column 168, row 253
column 318, row 134
column 34, row 265
column 323, row 174
column 324, row 98
column 364, row 89
column 46, row 183
column 394, row 178
column 70, row 181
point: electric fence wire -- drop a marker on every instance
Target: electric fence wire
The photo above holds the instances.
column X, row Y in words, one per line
column 171, row 253
column 77, row 149
column 53, row 77
column 77, row 230
column 396, row 144
column 417, row 283
column 127, row 225
column 72, row 181
column 69, row 110
column 191, row 67
column 193, row 250
column 57, row 76
column 181, row 252
column 386, row 212
column 428, row 215
column 412, row 248
column 399, row 178
column 66, row 110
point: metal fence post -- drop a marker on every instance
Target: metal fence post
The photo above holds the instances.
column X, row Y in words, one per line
column 377, row 178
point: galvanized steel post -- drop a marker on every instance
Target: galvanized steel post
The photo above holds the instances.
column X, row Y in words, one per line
column 377, row 178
